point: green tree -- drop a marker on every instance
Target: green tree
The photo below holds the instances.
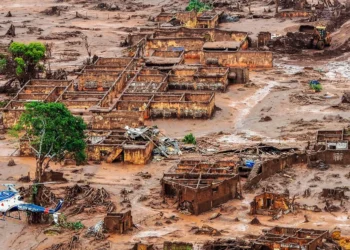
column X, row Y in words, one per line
column 27, row 58
column 53, row 133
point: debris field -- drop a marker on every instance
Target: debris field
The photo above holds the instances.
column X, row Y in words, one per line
column 209, row 124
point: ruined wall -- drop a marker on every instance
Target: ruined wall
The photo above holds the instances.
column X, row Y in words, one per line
column 49, row 176
column 203, row 199
column 50, row 83
column 164, row 17
column 215, row 35
column 241, row 74
column 100, row 152
column 134, row 39
column 207, row 23
column 96, row 81
column 116, row 120
column 182, row 109
column 272, row 166
column 114, row 61
column 239, row 59
column 186, row 16
column 285, row 14
column 225, row 35
column 138, row 155
column 170, row 43
column 116, row 89
column 207, row 198
column 80, row 104
column 336, row 157
column 264, row 38
column 118, row 222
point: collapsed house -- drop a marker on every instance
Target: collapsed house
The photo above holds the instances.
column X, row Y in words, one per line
column 206, row 47
column 330, row 147
column 114, row 145
column 269, row 204
column 303, row 8
column 118, row 222
column 190, row 19
column 33, row 90
column 168, row 73
column 200, row 187
column 291, row 238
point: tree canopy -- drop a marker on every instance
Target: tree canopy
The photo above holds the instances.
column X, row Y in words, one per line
column 27, row 58
column 53, row 133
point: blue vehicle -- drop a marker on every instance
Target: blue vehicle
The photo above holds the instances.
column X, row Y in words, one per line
column 11, row 201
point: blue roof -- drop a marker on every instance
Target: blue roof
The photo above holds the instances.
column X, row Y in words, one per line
column 6, row 195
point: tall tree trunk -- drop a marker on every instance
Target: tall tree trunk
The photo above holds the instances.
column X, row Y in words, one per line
column 277, row 3
column 39, row 169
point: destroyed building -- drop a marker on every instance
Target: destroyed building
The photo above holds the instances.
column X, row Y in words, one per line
column 169, row 73
column 200, row 187
column 269, row 204
column 291, row 238
column 330, row 147
column 118, row 222
column 190, row 19
column 110, row 146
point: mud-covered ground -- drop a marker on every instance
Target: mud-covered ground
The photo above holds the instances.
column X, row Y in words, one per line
column 281, row 93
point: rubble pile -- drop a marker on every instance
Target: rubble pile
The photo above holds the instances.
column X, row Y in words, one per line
column 108, row 6
column 73, row 243
column 79, row 198
column 292, row 43
column 54, row 10
column 306, row 99
column 61, row 35
column 205, row 229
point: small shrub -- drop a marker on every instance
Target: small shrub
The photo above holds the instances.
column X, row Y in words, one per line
column 189, row 139
column 316, row 87
column 198, row 6
column 3, row 103
column 70, row 225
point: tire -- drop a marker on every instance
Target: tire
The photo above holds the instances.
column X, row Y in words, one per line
column 320, row 45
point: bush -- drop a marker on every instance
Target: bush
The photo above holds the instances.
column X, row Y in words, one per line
column 316, row 87
column 70, row 225
column 198, row 6
column 189, row 139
